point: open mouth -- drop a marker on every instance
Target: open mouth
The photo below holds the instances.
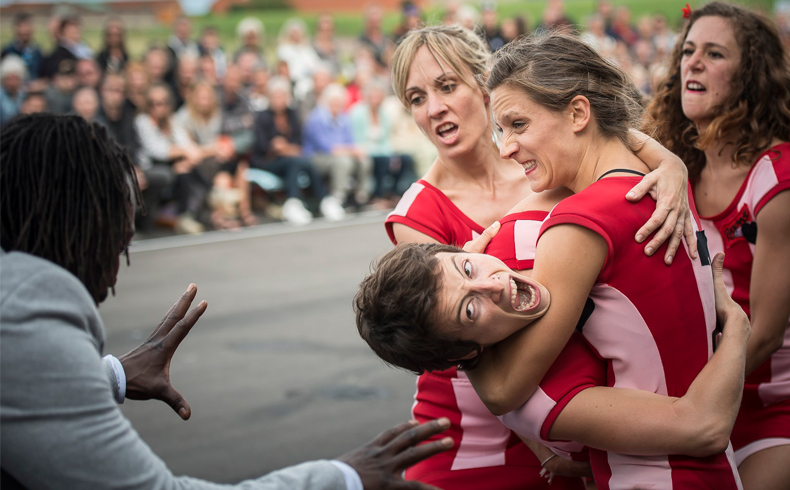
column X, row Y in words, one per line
column 528, row 166
column 447, row 131
column 695, row 87
column 523, row 296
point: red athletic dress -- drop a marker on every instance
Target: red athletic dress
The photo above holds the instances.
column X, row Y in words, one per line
column 764, row 418
column 576, row 368
column 653, row 325
column 486, row 454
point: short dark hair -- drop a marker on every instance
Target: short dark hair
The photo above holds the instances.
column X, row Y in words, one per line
column 67, row 193
column 395, row 311
column 22, row 17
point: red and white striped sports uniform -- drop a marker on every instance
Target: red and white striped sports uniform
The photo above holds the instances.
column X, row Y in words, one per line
column 764, row 418
column 486, row 454
column 576, row 368
column 653, row 325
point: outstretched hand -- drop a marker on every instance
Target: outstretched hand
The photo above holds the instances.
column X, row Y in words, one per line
column 381, row 462
column 479, row 244
column 147, row 367
column 668, row 186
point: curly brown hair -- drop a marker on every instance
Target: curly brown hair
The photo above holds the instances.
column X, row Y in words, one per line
column 395, row 311
column 758, row 109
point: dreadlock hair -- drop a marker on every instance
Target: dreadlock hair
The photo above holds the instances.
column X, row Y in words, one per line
column 758, row 108
column 66, row 195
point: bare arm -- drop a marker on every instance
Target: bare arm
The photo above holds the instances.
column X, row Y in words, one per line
column 770, row 285
column 668, row 185
column 642, row 423
column 404, row 234
column 568, row 260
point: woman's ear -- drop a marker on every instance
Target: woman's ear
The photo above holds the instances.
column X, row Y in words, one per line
column 471, row 355
column 580, row 113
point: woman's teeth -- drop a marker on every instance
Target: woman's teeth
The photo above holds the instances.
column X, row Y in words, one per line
column 446, row 129
column 529, row 165
column 521, row 299
column 695, row 86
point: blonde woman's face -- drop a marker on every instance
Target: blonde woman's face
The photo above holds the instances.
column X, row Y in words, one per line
column 452, row 114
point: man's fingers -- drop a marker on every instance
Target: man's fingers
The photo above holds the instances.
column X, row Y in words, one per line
column 184, row 326
column 390, row 434
column 415, row 435
column 177, row 403
column 176, row 312
column 415, row 454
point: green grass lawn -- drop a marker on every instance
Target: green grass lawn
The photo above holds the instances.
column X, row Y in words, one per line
column 350, row 24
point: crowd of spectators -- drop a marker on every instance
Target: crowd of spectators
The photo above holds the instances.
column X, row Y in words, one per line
column 318, row 118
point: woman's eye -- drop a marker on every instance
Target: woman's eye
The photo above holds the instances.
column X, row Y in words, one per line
column 716, row 54
column 467, row 268
column 448, row 88
column 470, row 311
column 518, row 125
column 688, row 52
column 415, row 101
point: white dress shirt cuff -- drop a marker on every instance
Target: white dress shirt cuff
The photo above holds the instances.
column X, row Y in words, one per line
column 120, row 378
column 353, row 482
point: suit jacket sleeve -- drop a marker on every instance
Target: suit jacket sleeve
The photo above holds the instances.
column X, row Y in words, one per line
column 61, row 427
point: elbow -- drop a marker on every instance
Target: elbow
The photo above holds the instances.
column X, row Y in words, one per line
column 711, row 439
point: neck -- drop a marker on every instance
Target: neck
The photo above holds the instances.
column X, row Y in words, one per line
column 600, row 156
column 719, row 154
column 481, row 165
column 112, row 113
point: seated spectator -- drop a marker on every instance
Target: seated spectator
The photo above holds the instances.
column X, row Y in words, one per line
column 157, row 63
column 597, row 38
column 12, row 77
column 70, row 46
column 325, row 43
column 24, row 46
column 61, row 90
column 372, row 129
column 248, row 63
column 33, row 102
column 185, row 76
column 85, row 103
column 250, row 34
column 113, row 56
column 257, row 92
column 322, row 77
column 207, row 69
column 88, row 73
column 209, row 46
column 118, row 117
column 621, row 28
column 137, row 83
column 490, row 24
column 329, row 142
column 180, row 42
column 295, row 50
column 164, row 143
column 278, row 149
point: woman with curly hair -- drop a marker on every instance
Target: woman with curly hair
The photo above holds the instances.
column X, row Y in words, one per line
column 725, row 110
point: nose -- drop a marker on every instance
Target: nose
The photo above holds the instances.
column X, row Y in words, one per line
column 508, row 148
column 695, row 61
column 436, row 106
column 490, row 286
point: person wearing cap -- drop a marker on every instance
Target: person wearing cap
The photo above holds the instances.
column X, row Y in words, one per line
column 12, row 75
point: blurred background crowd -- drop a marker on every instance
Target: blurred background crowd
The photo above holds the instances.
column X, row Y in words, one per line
column 233, row 125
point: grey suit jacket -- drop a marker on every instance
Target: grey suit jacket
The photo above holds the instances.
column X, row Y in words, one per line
column 61, row 427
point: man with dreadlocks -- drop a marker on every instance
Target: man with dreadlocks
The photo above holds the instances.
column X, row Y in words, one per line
column 67, row 198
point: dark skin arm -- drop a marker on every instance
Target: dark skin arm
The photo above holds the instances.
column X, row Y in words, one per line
column 147, row 367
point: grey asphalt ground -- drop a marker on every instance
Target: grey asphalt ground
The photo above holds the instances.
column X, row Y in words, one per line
column 275, row 371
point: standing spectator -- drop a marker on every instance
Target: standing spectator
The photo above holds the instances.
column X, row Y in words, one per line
column 88, row 73
column 295, row 50
column 86, row 103
column 663, row 37
column 60, row 92
column 514, row 27
column 70, row 47
column 372, row 130
column 250, row 34
column 12, row 77
column 278, row 149
column 411, row 19
column 181, row 42
column 164, row 143
column 554, row 16
column 209, row 46
column 468, row 17
column 491, row 31
column 329, row 142
column 450, row 15
column 24, row 46
column 113, row 56
column 324, row 42
column 137, row 82
column 373, row 36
